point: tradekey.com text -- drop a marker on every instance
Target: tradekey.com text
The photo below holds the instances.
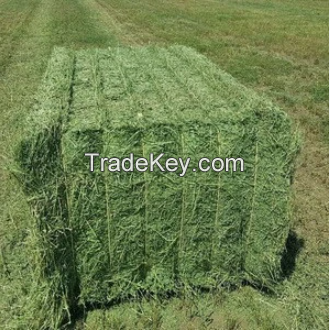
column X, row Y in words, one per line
column 141, row 164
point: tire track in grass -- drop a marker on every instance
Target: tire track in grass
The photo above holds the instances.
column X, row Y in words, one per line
column 10, row 41
column 111, row 21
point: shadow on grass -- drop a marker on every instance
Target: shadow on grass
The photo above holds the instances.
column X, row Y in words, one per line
column 293, row 247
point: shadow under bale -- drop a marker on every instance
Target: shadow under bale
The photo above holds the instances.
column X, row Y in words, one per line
column 293, row 247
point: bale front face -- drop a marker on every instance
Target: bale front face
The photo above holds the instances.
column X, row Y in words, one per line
column 158, row 231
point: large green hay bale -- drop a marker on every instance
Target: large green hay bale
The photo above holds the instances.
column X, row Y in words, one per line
column 110, row 235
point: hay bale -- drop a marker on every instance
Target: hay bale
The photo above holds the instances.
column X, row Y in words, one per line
column 110, row 235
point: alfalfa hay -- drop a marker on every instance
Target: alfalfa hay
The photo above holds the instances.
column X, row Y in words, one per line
column 111, row 235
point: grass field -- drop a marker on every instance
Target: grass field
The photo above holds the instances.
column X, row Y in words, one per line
column 279, row 48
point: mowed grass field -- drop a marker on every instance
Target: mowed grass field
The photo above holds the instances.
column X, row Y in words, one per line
column 278, row 48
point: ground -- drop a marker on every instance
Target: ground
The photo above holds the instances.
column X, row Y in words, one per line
column 279, row 48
